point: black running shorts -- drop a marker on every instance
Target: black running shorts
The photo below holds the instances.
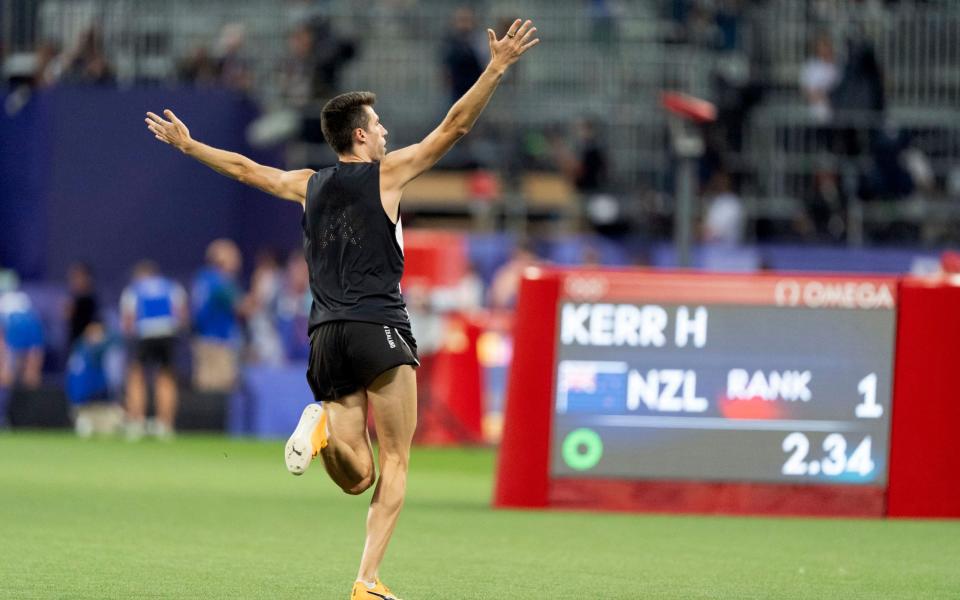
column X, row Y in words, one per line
column 155, row 351
column 346, row 356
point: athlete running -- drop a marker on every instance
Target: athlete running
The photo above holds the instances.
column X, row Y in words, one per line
column 362, row 351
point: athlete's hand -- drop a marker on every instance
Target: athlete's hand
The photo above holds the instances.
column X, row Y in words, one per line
column 172, row 132
column 518, row 39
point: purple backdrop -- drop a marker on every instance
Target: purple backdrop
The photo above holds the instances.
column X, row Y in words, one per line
column 81, row 178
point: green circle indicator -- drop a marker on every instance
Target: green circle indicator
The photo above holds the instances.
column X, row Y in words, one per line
column 582, row 449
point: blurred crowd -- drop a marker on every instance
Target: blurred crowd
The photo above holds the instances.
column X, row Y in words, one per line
column 852, row 148
column 855, row 149
column 118, row 351
column 161, row 337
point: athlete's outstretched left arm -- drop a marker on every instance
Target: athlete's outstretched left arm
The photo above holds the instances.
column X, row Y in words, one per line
column 289, row 185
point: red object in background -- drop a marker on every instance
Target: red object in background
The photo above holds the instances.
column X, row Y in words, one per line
column 433, row 259
column 924, row 463
column 950, row 261
column 712, row 497
column 753, row 408
column 484, row 185
column 451, row 407
column 454, row 413
column 924, row 459
column 689, row 107
column 522, row 464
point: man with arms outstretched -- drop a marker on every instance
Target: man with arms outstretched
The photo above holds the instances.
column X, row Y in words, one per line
column 362, row 350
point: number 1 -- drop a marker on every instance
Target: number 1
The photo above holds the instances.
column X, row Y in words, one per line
column 868, row 409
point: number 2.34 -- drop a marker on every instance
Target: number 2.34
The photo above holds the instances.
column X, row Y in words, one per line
column 834, row 463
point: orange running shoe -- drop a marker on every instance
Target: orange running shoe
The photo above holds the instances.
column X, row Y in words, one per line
column 379, row 591
column 307, row 439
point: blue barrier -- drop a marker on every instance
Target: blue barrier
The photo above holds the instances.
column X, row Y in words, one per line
column 268, row 401
column 82, row 179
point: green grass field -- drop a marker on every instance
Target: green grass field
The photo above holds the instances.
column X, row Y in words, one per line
column 206, row 517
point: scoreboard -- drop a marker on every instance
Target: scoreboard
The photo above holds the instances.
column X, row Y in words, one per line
column 770, row 393
column 764, row 379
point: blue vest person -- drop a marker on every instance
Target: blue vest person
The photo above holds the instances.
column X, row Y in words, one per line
column 88, row 382
column 152, row 311
column 22, row 341
column 214, row 300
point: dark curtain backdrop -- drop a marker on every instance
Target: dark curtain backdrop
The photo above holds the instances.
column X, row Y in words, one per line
column 82, row 178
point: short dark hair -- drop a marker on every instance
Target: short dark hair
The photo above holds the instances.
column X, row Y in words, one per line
column 145, row 268
column 342, row 115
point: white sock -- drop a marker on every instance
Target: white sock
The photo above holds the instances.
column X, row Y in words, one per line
column 369, row 585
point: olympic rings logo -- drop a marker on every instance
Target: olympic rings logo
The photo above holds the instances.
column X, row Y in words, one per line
column 585, row 288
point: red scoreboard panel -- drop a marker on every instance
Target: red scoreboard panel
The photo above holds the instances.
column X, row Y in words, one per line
column 636, row 390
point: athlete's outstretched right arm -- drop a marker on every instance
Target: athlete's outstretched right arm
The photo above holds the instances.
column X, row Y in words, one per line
column 289, row 185
column 403, row 165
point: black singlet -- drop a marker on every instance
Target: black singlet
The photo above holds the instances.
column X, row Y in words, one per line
column 353, row 249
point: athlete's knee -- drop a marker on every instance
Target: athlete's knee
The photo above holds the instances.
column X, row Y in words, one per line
column 395, row 461
column 393, row 473
column 362, row 479
column 360, row 487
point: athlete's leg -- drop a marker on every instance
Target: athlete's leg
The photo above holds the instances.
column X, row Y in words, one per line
column 8, row 359
column 136, row 401
column 166, row 391
column 33, row 368
column 393, row 396
column 348, row 456
column 136, row 392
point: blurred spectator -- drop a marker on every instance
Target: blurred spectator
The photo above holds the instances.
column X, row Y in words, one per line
column 331, row 52
column 316, row 56
column 233, row 70
column 88, row 383
column 590, row 172
column 297, row 85
column 728, row 18
column 887, row 177
column 215, row 301
column 700, row 27
column 260, row 306
column 725, row 218
column 736, row 93
column 431, row 308
column 226, row 65
column 197, row 68
column 465, row 296
column 21, row 345
column 818, row 77
column 49, row 65
column 83, row 307
column 859, row 99
column 586, row 166
column 506, row 280
column 826, row 207
column 293, row 308
column 464, row 51
column 152, row 312
column 88, row 63
column 678, row 11
column 604, row 17
column 428, row 325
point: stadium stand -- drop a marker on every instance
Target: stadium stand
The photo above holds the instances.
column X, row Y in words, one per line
column 746, row 56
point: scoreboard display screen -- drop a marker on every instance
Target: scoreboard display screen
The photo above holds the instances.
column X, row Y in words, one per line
column 762, row 379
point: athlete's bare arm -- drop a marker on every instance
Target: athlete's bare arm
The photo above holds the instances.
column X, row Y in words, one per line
column 402, row 166
column 289, row 185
